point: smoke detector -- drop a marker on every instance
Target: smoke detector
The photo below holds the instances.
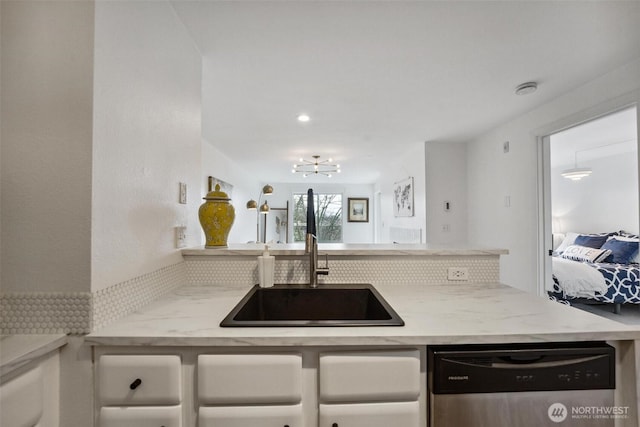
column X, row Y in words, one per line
column 526, row 88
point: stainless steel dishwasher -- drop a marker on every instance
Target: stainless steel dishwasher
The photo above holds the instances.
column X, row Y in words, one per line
column 522, row 385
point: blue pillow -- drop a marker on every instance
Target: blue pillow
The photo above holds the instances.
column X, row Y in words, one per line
column 595, row 242
column 622, row 252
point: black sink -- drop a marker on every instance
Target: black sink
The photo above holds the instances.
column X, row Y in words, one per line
column 300, row 305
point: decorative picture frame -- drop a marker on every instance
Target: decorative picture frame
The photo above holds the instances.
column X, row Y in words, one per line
column 403, row 197
column 358, row 209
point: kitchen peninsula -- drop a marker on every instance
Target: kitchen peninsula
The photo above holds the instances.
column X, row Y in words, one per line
column 435, row 314
column 288, row 373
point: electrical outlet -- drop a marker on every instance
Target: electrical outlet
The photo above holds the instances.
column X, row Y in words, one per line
column 181, row 236
column 460, row 274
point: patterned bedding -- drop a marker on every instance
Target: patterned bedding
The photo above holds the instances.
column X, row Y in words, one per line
column 622, row 284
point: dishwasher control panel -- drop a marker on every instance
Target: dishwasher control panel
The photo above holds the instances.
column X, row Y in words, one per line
column 521, row 367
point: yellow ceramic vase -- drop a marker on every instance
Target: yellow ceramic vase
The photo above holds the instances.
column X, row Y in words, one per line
column 216, row 218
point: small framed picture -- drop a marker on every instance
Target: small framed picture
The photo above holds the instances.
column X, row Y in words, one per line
column 403, row 197
column 358, row 209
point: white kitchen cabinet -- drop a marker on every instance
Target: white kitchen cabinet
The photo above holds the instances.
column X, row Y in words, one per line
column 366, row 376
column 255, row 389
column 260, row 387
column 273, row 378
column 379, row 414
column 253, row 416
column 141, row 416
column 30, row 396
column 139, row 380
column 372, row 388
column 21, row 399
column 139, row 390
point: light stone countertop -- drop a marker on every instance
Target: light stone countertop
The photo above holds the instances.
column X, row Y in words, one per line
column 345, row 249
column 18, row 350
column 433, row 314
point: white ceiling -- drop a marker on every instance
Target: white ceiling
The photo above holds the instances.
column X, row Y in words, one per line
column 379, row 76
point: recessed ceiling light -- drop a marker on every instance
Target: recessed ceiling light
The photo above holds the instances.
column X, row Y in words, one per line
column 303, row 118
column 526, row 88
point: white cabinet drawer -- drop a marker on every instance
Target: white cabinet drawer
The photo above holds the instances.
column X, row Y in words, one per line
column 250, row 378
column 401, row 414
column 250, row 416
column 141, row 416
column 139, row 380
column 21, row 399
column 369, row 375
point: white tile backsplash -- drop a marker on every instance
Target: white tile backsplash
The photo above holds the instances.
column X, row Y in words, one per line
column 84, row 312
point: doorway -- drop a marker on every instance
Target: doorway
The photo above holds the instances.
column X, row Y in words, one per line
column 590, row 181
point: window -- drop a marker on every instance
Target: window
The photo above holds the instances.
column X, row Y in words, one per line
column 328, row 209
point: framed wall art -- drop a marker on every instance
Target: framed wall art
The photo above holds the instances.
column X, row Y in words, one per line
column 403, row 197
column 358, row 209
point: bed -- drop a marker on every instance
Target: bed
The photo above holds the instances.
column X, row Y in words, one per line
column 597, row 268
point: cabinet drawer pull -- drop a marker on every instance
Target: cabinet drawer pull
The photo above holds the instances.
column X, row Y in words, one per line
column 134, row 385
column 334, row 425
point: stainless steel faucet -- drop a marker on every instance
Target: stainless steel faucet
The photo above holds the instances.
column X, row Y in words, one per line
column 311, row 248
column 311, row 245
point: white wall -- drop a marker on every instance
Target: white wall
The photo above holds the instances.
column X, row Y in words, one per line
column 493, row 175
column 46, row 108
column 603, row 202
column 147, row 127
column 446, row 181
column 358, row 232
column 408, row 163
column 245, row 187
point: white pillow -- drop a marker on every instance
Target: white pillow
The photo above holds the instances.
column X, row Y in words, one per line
column 583, row 253
column 569, row 238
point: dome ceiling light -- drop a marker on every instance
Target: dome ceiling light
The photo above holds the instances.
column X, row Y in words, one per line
column 526, row 88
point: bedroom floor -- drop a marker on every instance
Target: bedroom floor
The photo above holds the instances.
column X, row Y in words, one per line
column 629, row 315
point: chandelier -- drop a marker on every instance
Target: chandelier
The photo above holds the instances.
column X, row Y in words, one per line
column 316, row 166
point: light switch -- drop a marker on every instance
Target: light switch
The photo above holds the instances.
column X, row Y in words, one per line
column 182, row 198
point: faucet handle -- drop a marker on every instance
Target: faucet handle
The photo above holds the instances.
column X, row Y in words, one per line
column 324, row 270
